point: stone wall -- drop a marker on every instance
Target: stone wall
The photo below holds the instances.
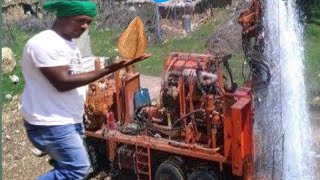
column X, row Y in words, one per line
column 18, row 10
column 13, row 13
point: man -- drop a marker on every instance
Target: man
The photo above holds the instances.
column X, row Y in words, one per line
column 53, row 96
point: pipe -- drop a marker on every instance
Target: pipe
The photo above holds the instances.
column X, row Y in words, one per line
column 194, row 146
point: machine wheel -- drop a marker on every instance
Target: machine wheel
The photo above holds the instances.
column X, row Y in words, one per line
column 96, row 151
column 169, row 170
column 202, row 175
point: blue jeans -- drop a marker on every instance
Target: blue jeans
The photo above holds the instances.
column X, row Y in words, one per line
column 65, row 146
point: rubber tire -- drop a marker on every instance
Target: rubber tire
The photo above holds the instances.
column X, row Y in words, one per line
column 169, row 170
column 97, row 155
column 202, row 175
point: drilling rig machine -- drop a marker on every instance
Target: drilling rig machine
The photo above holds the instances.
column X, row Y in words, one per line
column 201, row 127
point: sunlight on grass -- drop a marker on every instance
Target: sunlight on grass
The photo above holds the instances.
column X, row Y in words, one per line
column 192, row 43
column 104, row 43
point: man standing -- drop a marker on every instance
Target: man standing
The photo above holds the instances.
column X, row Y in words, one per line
column 53, row 96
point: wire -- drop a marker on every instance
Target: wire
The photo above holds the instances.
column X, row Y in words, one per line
column 259, row 71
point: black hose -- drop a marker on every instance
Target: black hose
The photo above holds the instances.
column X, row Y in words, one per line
column 259, row 71
column 125, row 130
column 233, row 85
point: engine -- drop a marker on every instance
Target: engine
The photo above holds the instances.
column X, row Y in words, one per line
column 191, row 103
column 190, row 109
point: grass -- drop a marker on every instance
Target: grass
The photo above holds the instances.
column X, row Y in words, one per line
column 103, row 43
column 312, row 50
column 17, row 48
column 236, row 63
column 194, row 42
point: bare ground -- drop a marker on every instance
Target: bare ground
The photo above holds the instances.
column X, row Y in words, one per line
column 19, row 163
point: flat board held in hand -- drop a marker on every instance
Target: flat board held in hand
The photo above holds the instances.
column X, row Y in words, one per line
column 133, row 41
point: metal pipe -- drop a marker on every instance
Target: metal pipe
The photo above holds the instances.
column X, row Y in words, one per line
column 194, row 146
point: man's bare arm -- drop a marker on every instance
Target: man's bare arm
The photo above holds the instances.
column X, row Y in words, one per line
column 62, row 80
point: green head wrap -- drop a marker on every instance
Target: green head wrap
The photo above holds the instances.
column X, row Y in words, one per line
column 71, row 8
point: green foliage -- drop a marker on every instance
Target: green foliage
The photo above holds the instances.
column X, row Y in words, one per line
column 315, row 14
column 312, row 47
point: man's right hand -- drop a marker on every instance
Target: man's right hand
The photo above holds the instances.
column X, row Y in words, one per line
column 124, row 63
column 116, row 66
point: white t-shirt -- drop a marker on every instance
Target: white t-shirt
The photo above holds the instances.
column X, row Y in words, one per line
column 42, row 104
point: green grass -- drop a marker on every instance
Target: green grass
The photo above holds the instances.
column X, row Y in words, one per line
column 194, row 42
column 312, row 50
column 103, row 43
column 236, row 63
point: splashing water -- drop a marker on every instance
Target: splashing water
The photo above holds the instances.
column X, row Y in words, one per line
column 282, row 128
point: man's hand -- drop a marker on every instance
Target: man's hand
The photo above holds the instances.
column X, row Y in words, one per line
column 142, row 57
column 124, row 63
column 116, row 66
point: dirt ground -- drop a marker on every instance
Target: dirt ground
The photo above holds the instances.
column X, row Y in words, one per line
column 315, row 126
